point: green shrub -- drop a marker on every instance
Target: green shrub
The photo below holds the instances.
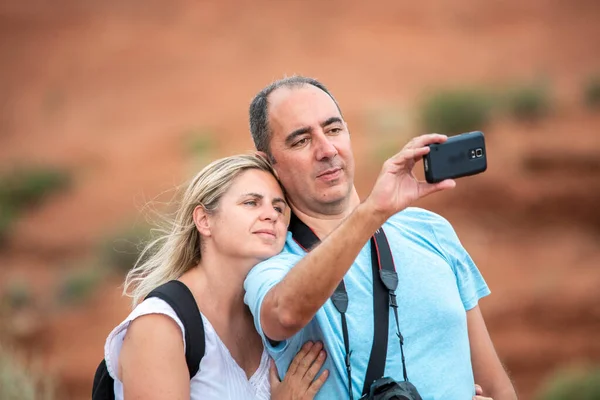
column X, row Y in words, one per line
column 7, row 217
column 528, row 103
column 78, row 285
column 18, row 382
column 26, row 187
column 567, row 385
column 17, row 294
column 456, row 111
column 592, row 92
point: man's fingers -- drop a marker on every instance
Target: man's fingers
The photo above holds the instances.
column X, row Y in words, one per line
column 424, row 140
column 293, row 368
column 425, row 189
column 418, row 147
column 316, row 385
column 410, row 154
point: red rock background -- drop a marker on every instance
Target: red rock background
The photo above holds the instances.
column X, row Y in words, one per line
column 111, row 91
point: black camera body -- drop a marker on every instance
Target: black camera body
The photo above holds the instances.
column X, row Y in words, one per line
column 388, row 389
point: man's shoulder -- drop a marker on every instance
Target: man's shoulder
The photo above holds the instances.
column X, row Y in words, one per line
column 285, row 259
column 415, row 217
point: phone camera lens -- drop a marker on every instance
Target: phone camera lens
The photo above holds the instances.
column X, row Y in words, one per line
column 479, row 152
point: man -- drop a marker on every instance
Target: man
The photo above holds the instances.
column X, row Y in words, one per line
column 299, row 125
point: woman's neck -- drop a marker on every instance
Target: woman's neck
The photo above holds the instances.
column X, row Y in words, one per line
column 218, row 284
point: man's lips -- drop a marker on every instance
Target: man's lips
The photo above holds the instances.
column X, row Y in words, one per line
column 328, row 173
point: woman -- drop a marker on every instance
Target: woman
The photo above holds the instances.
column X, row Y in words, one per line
column 232, row 216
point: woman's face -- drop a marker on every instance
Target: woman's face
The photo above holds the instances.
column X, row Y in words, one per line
column 252, row 218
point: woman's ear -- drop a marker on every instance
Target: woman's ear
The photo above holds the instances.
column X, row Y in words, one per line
column 201, row 220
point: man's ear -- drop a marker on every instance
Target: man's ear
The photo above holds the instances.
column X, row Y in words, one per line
column 267, row 157
column 201, row 220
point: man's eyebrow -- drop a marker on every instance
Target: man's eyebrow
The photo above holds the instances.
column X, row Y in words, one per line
column 331, row 120
column 306, row 129
column 292, row 136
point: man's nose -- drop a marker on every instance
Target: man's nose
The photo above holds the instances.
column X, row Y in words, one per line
column 325, row 149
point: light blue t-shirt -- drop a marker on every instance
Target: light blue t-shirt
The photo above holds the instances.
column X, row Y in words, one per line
column 438, row 283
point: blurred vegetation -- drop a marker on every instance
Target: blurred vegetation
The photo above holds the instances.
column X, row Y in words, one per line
column 528, row 102
column 569, row 384
column 17, row 294
column 7, row 217
column 76, row 286
column 592, row 92
column 456, row 111
column 121, row 250
column 27, row 187
column 18, row 382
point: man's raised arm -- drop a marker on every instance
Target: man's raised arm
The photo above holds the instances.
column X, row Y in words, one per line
column 292, row 303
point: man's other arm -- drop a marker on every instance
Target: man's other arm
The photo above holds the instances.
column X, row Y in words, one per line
column 487, row 368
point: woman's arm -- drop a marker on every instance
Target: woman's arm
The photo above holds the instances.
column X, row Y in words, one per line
column 152, row 362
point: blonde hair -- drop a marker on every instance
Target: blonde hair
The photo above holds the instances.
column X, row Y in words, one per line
column 178, row 248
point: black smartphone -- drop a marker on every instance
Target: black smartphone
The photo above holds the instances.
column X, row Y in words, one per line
column 460, row 155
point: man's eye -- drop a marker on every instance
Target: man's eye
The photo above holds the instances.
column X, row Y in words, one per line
column 279, row 209
column 300, row 142
column 250, row 203
column 335, row 130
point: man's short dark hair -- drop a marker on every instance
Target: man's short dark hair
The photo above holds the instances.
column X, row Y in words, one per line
column 259, row 112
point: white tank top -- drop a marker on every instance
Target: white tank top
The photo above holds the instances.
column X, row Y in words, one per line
column 219, row 377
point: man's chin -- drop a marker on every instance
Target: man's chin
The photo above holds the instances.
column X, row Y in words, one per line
column 334, row 197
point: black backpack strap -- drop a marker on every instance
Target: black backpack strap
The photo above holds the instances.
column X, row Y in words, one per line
column 103, row 386
column 182, row 301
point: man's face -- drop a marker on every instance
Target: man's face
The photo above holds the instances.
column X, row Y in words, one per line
column 311, row 146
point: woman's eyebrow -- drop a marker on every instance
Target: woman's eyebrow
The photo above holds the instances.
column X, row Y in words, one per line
column 280, row 200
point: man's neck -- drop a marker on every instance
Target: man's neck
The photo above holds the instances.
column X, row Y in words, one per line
column 323, row 222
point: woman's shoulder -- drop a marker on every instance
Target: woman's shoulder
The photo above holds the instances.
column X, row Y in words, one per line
column 160, row 323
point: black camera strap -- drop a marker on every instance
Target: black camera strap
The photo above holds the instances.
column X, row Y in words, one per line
column 384, row 296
